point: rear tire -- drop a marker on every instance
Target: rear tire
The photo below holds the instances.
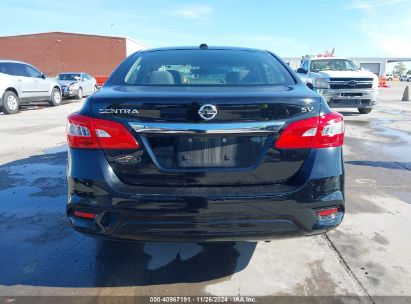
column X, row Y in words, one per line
column 55, row 99
column 364, row 110
column 10, row 103
column 79, row 93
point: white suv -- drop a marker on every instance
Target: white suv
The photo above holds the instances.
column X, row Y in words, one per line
column 22, row 83
column 406, row 77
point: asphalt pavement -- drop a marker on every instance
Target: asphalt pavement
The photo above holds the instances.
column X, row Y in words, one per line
column 366, row 259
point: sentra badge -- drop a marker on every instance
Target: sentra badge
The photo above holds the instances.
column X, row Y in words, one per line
column 119, row 111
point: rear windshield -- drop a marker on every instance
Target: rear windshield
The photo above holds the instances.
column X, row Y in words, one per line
column 68, row 76
column 333, row 65
column 204, row 68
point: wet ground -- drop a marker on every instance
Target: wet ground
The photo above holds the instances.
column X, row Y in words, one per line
column 367, row 256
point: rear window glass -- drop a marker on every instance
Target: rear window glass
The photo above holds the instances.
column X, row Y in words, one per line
column 205, row 68
column 68, row 76
column 5, row 68
column 333, row 65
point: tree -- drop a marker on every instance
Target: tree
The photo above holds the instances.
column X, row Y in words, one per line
column 400, row 69
column 409, row 72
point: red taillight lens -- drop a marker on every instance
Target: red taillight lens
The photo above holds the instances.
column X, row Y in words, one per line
column 331, row 212
column 85, row 215
column 80, row 132
column 93, row 133
column 316, row 132
column 113, row 135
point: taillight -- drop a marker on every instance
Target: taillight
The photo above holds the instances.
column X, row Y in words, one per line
column 84, row 215
column 327, row 213
column 94, row 133
column 317, row 132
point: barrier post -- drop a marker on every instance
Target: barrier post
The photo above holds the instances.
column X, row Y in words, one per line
column 406, row 95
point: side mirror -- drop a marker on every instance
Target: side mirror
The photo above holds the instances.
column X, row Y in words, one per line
column 301, row 71
column 43, row 76
column 310, row 85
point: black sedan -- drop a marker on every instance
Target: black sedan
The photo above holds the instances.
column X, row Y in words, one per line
column 205, row 144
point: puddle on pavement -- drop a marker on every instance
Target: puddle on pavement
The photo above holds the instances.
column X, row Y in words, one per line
column 357, row 122
column 391, row 111
column 37, row 240
column 399, row 147
column 404, row 196
column 29, row 181
column 59, row 148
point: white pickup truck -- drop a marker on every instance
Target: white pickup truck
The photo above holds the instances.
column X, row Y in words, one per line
column 340, row 82
column 406, row 77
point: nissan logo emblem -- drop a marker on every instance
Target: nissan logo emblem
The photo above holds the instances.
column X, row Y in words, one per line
column 352, row 83
column 207, row 111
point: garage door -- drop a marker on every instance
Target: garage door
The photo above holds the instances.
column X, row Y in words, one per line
column 372, row 67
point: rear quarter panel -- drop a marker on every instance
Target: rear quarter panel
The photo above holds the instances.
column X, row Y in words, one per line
column 7, row 81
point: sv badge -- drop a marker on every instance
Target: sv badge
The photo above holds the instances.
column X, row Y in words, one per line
column 306, row 109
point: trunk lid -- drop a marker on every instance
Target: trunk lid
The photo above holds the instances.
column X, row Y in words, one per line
column 235, row 147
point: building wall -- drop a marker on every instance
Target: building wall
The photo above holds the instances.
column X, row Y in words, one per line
column 133, row 46
column 370, row 62
column 293, row 62
column 59, row 52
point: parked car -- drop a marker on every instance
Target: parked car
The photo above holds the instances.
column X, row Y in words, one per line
column 204, row 144
column 22, row 83
column 77, row 84
column 406, row 77
column 341, row 82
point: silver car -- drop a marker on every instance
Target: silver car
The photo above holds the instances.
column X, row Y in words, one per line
column 22, row 83
column 77, row 84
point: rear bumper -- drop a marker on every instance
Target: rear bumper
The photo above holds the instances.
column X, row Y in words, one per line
column 128, row 224
column 204, row 213
column 350, row 98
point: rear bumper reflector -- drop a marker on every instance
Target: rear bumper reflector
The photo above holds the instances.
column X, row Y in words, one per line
column 84, row 215
column 327, row 213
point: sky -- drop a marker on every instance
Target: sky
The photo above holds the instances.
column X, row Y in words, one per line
column 355, row 28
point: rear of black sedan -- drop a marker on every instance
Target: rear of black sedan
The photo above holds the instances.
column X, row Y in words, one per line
column 205, row 144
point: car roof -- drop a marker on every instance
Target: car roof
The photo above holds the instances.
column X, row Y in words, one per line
column 72, row 73
column 13, row 61
column 176, row 48
column 319, row 58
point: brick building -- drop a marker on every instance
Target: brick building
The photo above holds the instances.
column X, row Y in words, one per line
column 57, row 52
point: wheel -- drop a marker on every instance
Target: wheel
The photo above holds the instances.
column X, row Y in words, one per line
column 55, row 97
column 79, row 93
column 10, row 103
column 364, row 110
